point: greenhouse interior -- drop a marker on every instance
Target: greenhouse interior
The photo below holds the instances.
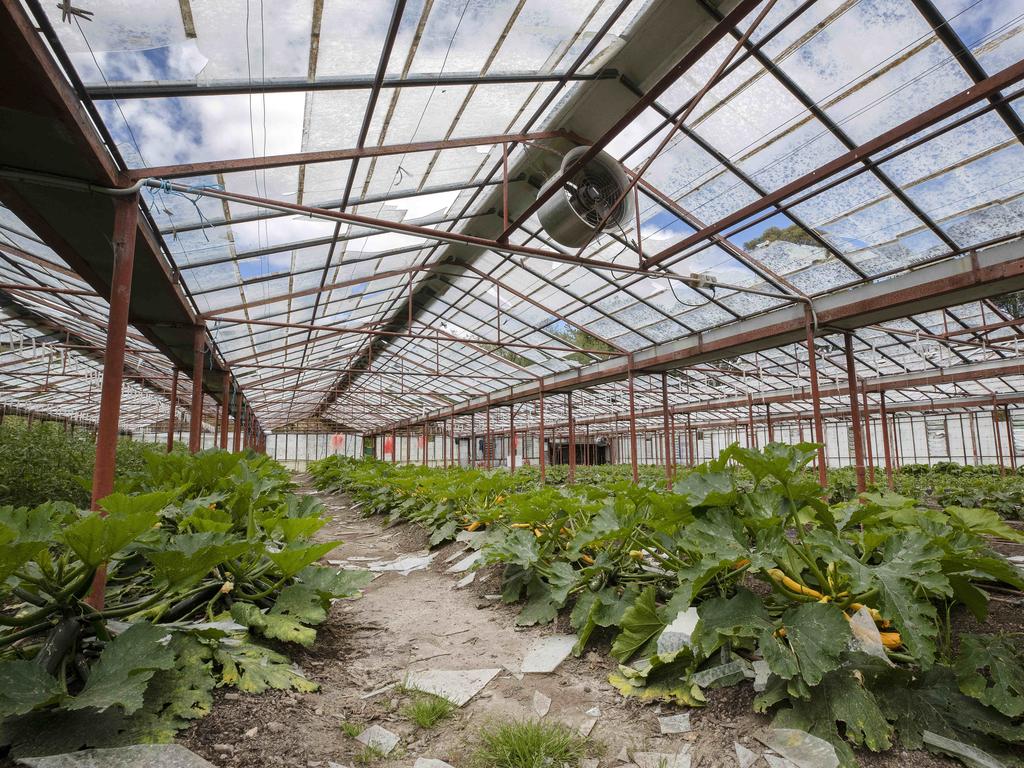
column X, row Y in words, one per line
column 512, row 383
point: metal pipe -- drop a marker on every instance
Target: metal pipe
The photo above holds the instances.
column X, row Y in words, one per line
column 126, row 215
column 819, row 429
column 867, row 437
column 543, row 450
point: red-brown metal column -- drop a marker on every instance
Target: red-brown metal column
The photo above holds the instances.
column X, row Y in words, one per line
column 999, row 440
column 1011, row 448
column 632, row 425
column 691, row 445
column 423, row 447
column 665, row 418
column 172, row 417
column 394, row 446
column 867, row 438
column 512, row 438
column 751, row 434
column 885, row 439
column 195, row 427
column 572, row 439
column 126, row 214
column 444, row 443
column 408, row 445
column 472, row 439
column 225, row 404
column 812, row 374
column 543, row 451
column 768, row 421
column 237, row 442
column 488, row 446
column 855, row 424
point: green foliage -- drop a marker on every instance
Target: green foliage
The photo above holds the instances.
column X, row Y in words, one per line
column 794, row 233
column 629, row 557
column 48, row 462
column 202, row 553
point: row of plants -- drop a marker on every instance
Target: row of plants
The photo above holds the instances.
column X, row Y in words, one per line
column 48, row 461
column 211, row 566
column 845, row 612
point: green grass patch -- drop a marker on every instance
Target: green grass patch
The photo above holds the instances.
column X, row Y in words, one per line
column 427, row 710
column 528, row 744
column 367, row 756
column 351, row 729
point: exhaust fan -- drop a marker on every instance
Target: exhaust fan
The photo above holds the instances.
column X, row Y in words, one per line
column 572, row 214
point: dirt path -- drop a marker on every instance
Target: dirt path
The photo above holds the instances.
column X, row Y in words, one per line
column 421, row 621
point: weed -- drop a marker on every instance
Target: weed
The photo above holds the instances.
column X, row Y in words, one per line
column 528, row 744
column 427, row 710
column 368, row 755
column 351, row 729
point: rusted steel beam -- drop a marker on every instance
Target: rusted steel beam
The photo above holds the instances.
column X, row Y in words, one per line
column 867, row 437
column 572, row 438
column 884, row 416
column 237, row 442
column 172, row 417
column 225, row 404
column 666, row 418
column 47, row 289
column 126, row 215
column 855, row 423
column 632, row 425
column 214, row 167
column 195, row 427
column 542, row 453
column 437, row 336
column 983, row 90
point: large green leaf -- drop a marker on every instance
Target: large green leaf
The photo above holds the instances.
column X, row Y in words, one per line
column 640, row 624
column 817, row 635
column 23, row 533
column 296, row 556
column 186, row 690
column 122, row 673
column 24, row 686
column 991, row 670
column 254, row 669
column 334, row 582
column 841, row 698
column 604, row 608
column 661, row 678
column 932, row 701
column 95, row 539
column 188, row 558
column 742, row 616
column 277, row 626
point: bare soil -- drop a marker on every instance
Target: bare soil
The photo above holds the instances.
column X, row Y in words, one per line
column 420, row 621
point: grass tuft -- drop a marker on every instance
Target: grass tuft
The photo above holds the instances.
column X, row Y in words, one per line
column 351, row 729
column 427, row 710
column 528, row 744
column 368, row 755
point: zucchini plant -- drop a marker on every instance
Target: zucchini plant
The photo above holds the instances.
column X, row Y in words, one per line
column 204, row 556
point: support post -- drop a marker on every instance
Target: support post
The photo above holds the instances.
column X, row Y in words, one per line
column 632, row 424
column 512, row 438
column 855, row 423
column 572, row 439
column 812, row 374
column 195, row 427
column 867, row 438
column 423, row 446
column 543, row 451
column 173, row 415
column 1011, row 449
column 488, row 446
column 472, row 439
column 665, row 418
column 768, row 421
column 691, row 443
column 885, row 439
column 126, row 214
column 237, row 442
column 225, row 404
column 999, row 440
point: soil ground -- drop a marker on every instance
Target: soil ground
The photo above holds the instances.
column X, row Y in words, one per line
column 421, row 621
